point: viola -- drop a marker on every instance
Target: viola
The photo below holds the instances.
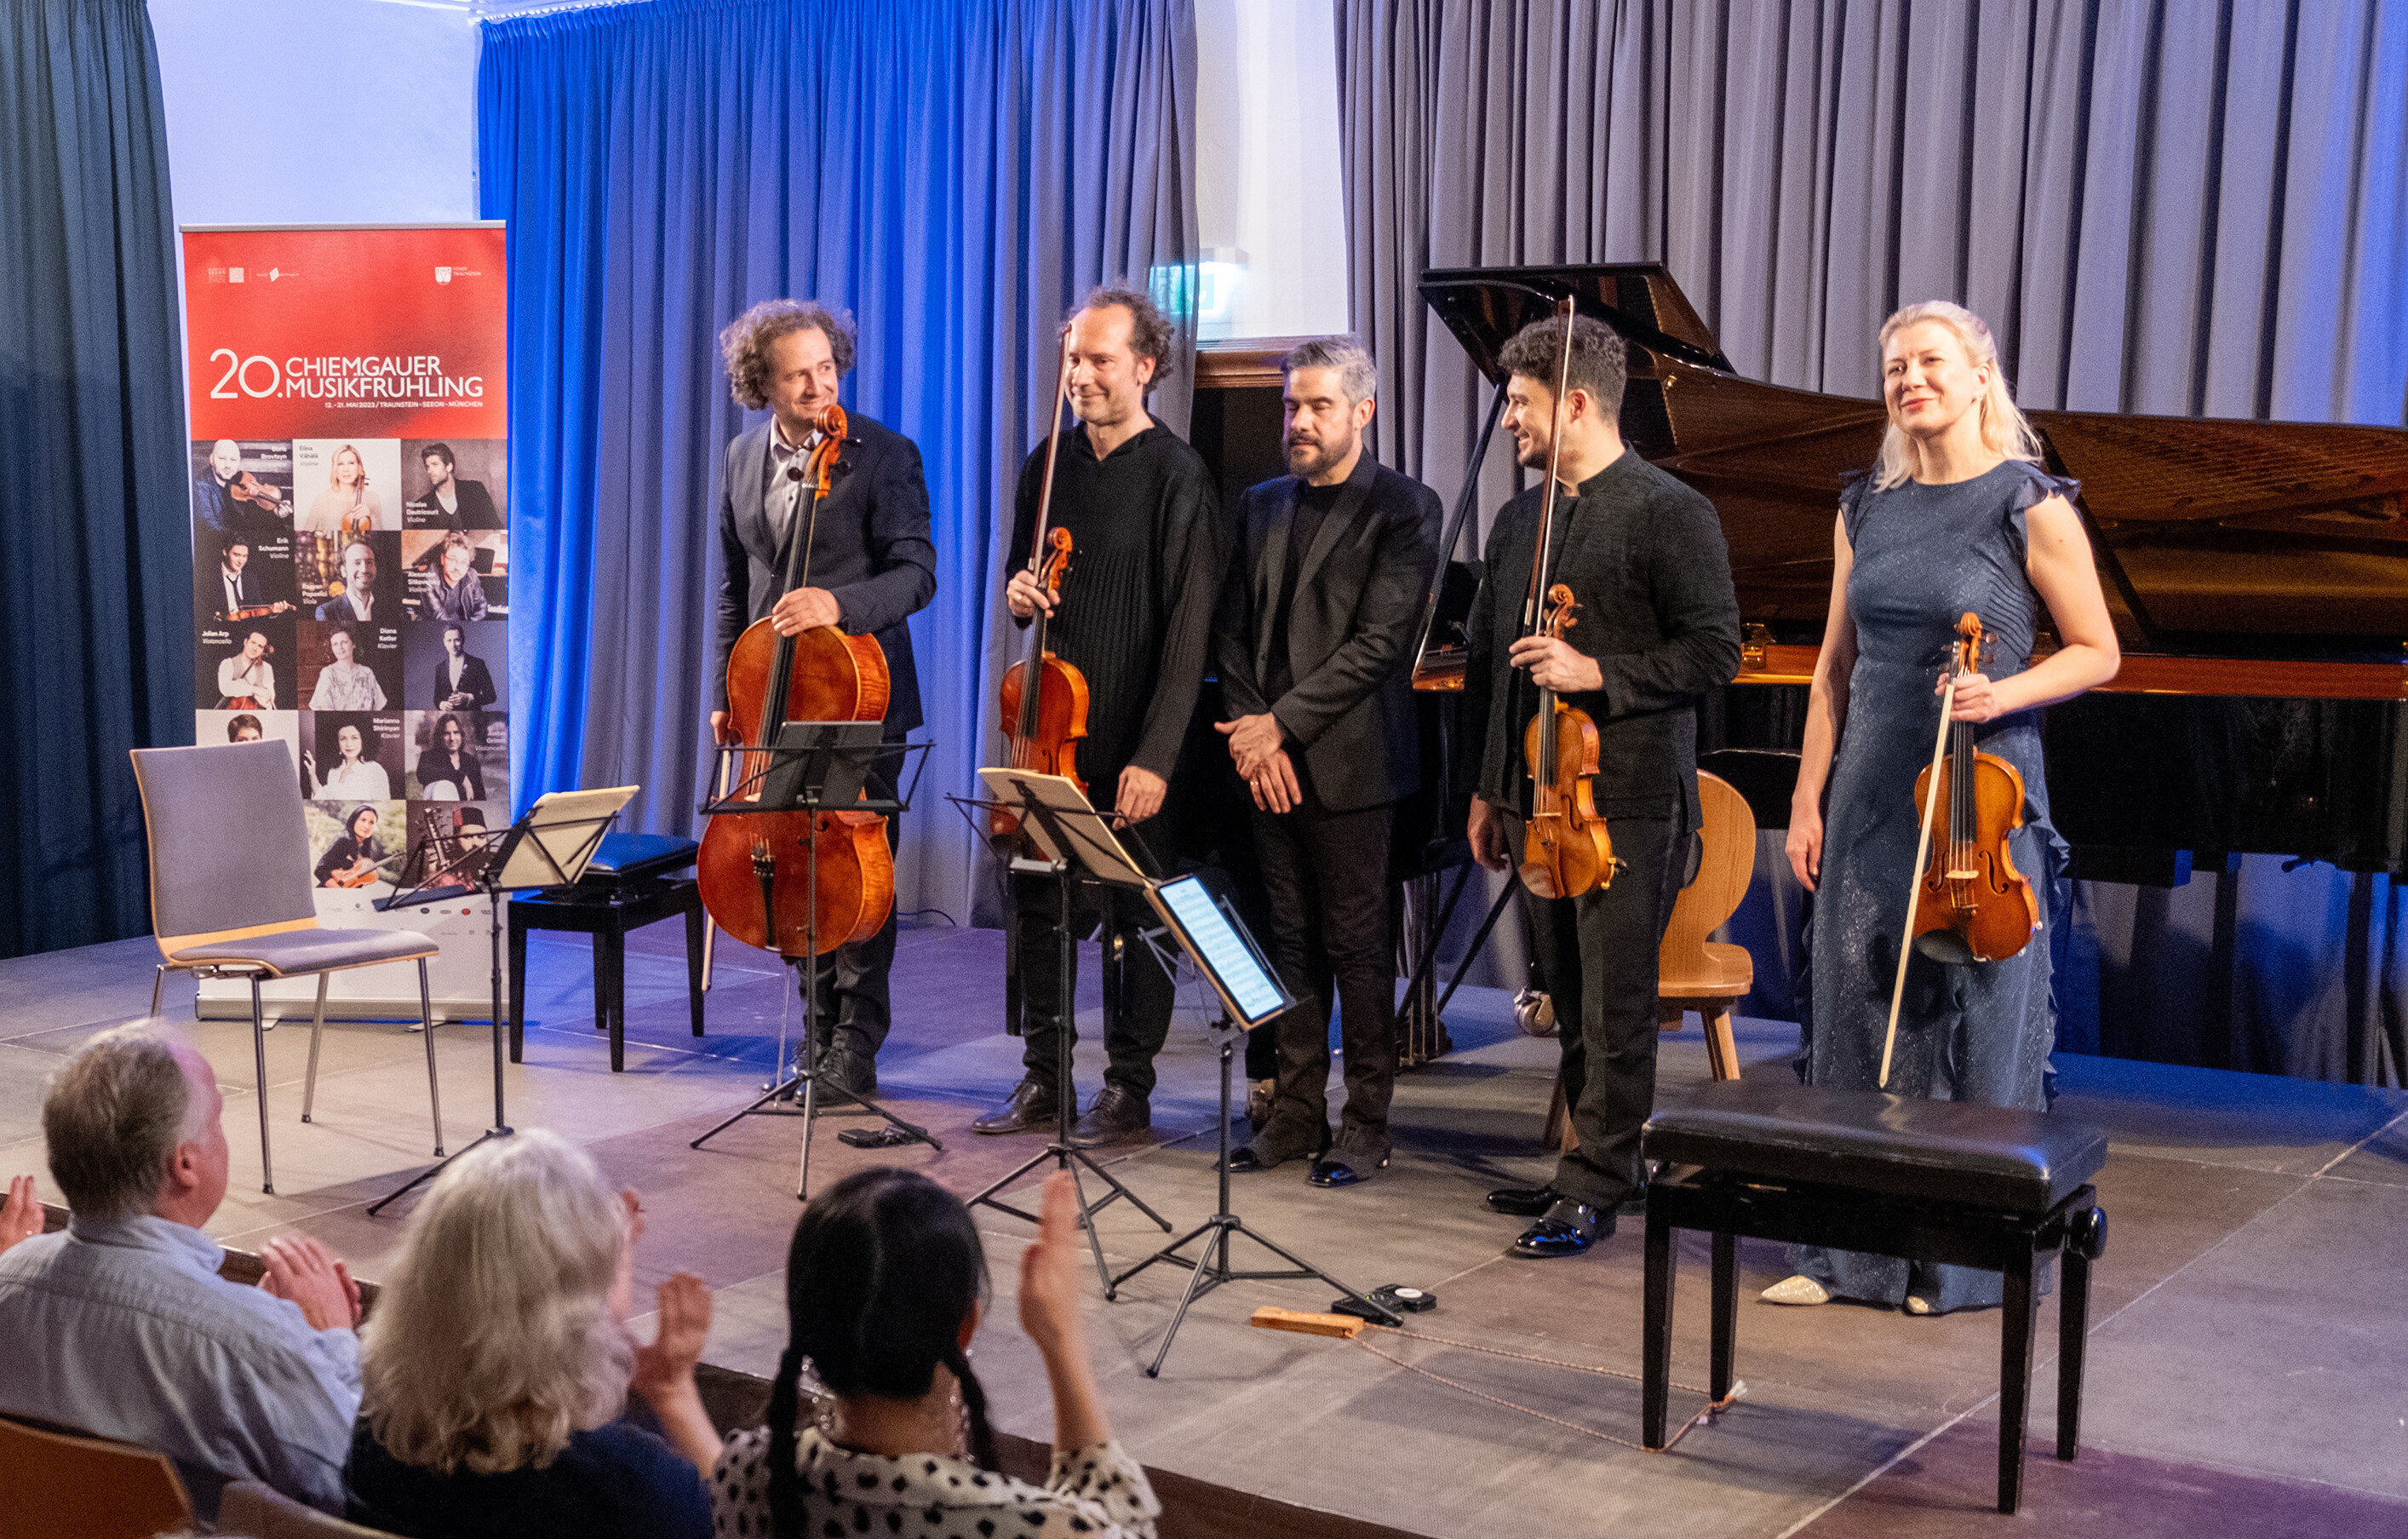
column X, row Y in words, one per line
column 1041, row 727
column 1970, row 904
column 1566, row 850
column 754, row 868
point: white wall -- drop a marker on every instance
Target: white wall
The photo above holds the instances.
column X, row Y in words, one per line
column 319, row 111
column 1266, row 169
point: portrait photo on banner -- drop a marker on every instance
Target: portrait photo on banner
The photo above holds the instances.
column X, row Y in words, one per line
column 284, row 726
column 365, row 583
column 244, row 665
column 346, row 486
column 456, row 665
column 457, row 756
column 356, row 844
column 352, row 755
column 244, row 487
column 348, row 667
column 455, row 483
column 457, row 574
column 453, row 833
column 236, row 578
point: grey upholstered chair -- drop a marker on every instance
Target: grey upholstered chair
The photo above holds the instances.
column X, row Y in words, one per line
column 231, row 895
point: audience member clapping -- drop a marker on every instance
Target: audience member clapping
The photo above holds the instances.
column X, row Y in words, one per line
column 499, row 1360
column 20, row 1216
column 886, row 1287
column 119, row 1325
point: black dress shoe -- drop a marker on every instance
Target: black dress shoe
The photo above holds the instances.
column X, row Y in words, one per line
column 1244, row 1161
column 849, row 1071
column 1339, row 1168
column 1568, row 1228
column 1118, row 1116
column 1032, row 1106
column 1523, row 1201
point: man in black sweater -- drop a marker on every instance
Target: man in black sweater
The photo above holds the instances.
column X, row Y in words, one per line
column 1135, row 616
column 870, row 564
column 1313, row 642
column 1657, row 626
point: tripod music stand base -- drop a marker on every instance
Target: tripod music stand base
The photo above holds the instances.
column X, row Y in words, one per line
column 1206, row 1274
column 504, row 1130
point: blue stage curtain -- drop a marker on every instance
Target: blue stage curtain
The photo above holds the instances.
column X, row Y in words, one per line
column 95, row 563
column 2177, row 208
column 955, row 175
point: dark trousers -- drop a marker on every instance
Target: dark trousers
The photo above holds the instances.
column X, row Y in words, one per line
column 854, row 1009
column 1137, row 993
column 1598, row 956
column 1327, row 877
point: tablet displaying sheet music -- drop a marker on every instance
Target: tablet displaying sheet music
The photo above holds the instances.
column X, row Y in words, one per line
column 1223, row 949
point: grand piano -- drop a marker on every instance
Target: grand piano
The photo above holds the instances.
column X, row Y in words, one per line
column 2258, row 574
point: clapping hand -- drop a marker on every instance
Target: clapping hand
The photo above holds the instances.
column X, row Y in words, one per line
column 302, row 1270
column 676, row 1347
column 1049, row 1272
column 20, row 1216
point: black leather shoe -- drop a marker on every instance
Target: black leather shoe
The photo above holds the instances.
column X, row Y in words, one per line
column 1338, row 1168
column 1117, row 1116
column 1568, row 1228
column 1032, row 1106
column 849, row 1071
column 1523, row 1201
column 1244, row 1161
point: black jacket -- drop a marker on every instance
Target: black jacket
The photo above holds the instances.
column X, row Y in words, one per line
column 1349, row 714
column 871, row 551
column 1645, row 557
column 476, row 680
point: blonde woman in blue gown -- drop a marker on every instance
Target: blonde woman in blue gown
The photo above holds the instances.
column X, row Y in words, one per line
column 1958, row 515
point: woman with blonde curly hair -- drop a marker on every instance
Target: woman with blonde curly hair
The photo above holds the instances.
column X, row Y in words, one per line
column 1957, row 516
column 499, row 1359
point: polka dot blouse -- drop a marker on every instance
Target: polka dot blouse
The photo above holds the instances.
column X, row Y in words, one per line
column 1097, row 1492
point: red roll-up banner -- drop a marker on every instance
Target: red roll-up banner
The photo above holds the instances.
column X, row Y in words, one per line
column 351, row 556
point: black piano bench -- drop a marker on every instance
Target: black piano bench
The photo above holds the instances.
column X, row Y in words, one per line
column 629, row 883
column 1928, row 1179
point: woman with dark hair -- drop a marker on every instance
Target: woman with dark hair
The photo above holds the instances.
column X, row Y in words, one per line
column 447, row 771
column 352, row 858
column 886, row 1286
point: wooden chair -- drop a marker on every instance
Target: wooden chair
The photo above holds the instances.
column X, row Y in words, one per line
column 1693, row 972
column 59, row 1483
column 260, row 1512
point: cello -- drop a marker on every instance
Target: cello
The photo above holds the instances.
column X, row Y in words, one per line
column 1970, row 904
column 799, row 884
column 1566, row 852
column 1041, row 725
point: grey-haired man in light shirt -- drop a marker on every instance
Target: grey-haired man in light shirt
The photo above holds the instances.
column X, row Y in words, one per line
column 119, row 1325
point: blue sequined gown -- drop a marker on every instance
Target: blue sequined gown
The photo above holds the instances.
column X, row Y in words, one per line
column 1922, row 556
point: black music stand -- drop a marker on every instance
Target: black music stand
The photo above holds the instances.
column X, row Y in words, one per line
column 1207, row 929
column 549, row 847
column 819, row 767
column 1078, row 845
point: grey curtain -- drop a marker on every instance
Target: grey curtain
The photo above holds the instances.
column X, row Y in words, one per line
column 95, row 563
column 2160, row 207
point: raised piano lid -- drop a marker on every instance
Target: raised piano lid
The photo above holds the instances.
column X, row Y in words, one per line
column 2239, row 557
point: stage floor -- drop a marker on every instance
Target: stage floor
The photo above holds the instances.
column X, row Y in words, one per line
column 2248, row 1368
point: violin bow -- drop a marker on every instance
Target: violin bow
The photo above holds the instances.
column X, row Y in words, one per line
column 1533, row 605
column 1052, row 448
column 1922, row 850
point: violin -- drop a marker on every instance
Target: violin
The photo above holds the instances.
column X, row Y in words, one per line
column 1969, row 903
column 247, row 487
column 754, row 868
column 1566, row 851
column 1041, row 725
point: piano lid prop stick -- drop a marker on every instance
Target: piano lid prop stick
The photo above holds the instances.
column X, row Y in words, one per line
column 1271, row 1319
column 1922, row 849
